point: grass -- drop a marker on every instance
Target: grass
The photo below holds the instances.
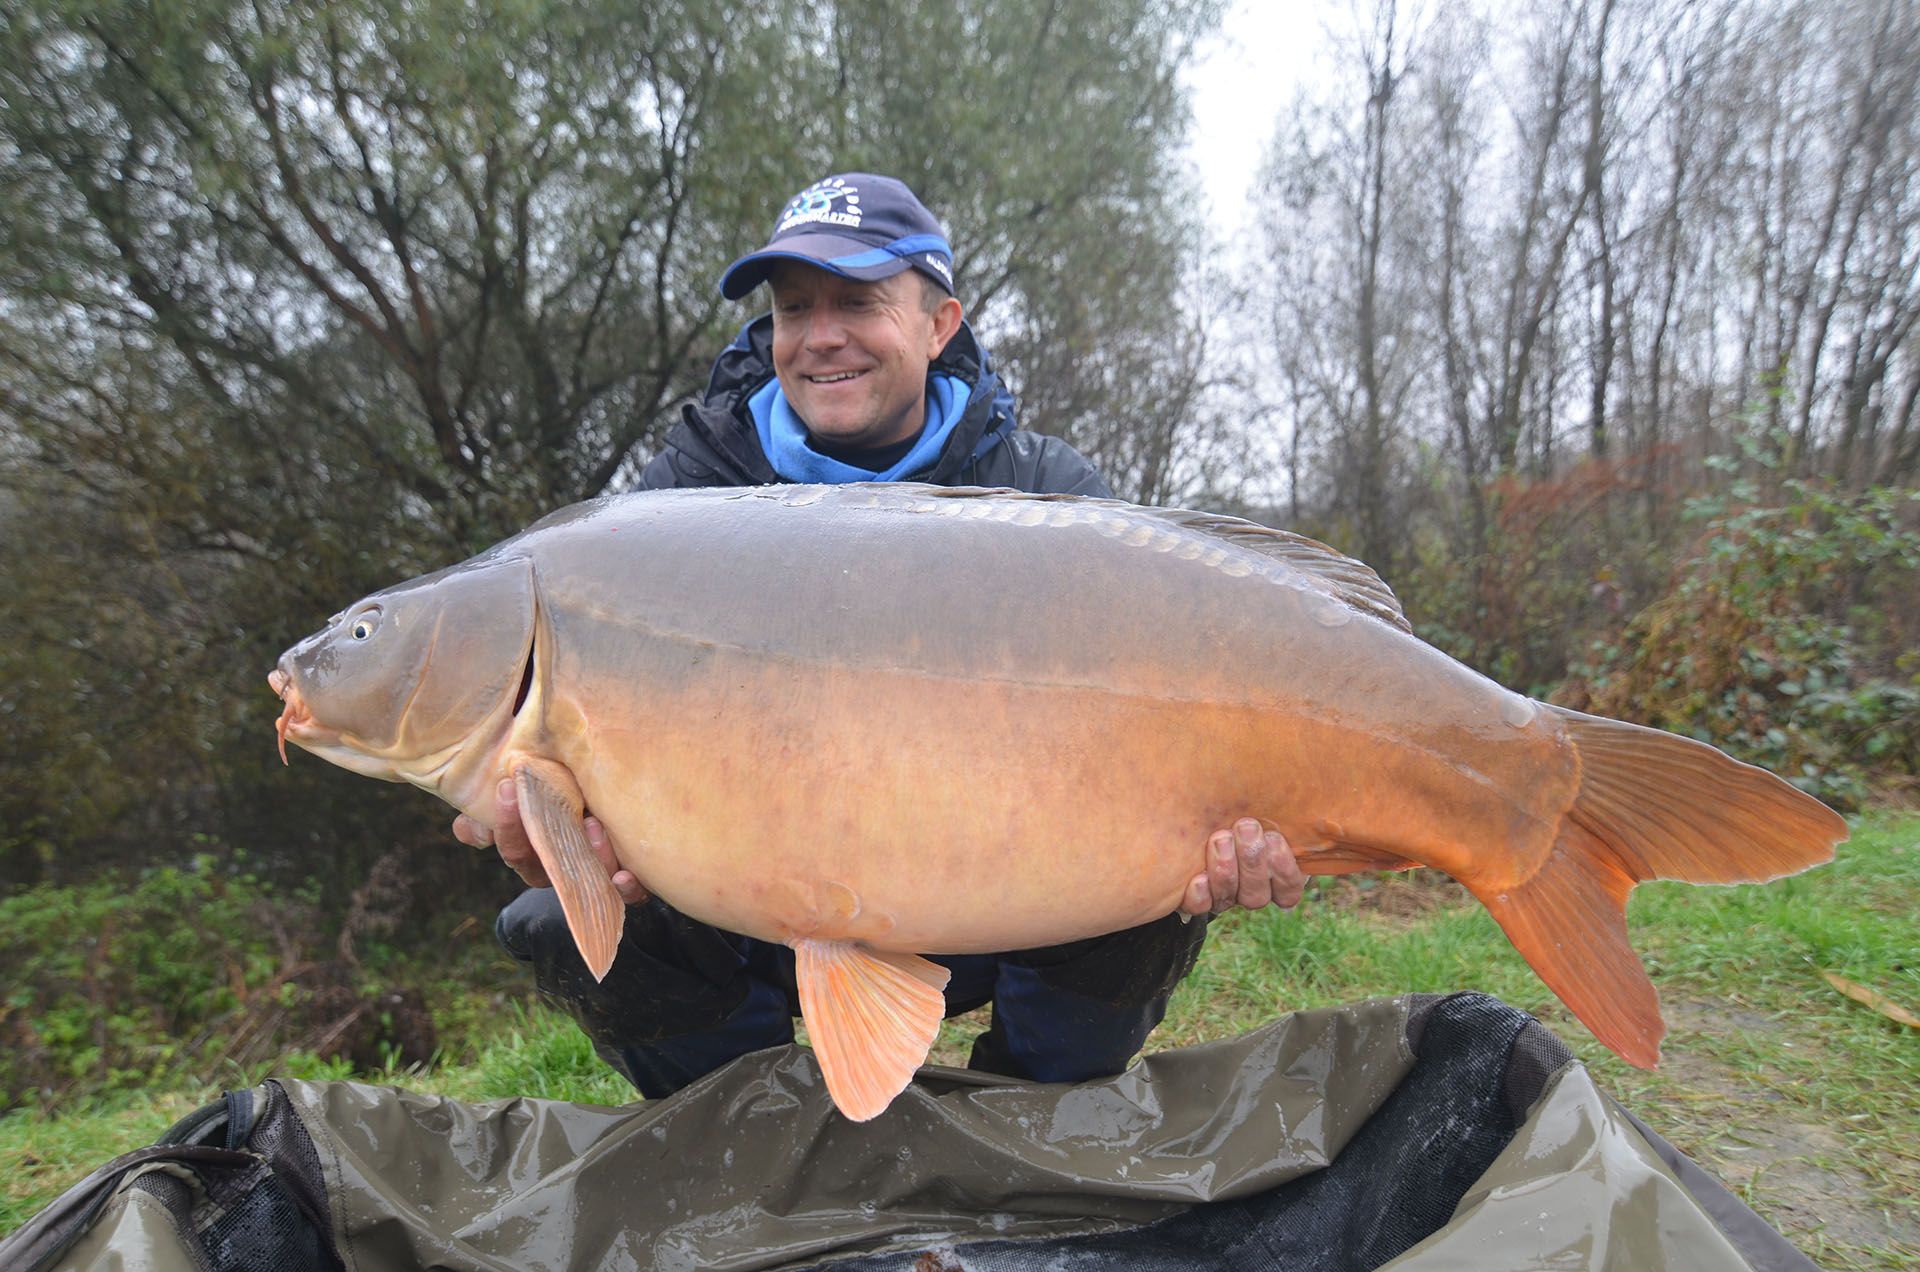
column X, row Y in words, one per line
column 1798, row 1098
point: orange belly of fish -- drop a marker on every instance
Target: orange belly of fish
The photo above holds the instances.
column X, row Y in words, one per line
column 936, row 816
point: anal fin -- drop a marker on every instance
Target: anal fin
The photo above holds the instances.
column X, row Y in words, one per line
column 871, row 1015
column 554, row 813
column 1339, row 858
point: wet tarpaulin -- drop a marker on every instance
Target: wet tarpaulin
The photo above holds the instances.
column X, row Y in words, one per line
column 1412, row 1133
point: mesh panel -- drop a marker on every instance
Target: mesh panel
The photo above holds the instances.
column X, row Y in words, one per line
column 265, row 1230
column 177, row 1196
column 1537, row 1055
column 296, row 1195
column 252, row 1216
column 172, row 1192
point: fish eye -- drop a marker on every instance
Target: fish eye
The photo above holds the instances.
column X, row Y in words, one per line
column 363, row 626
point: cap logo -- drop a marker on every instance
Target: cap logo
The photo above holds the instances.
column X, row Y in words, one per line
column 829, row 202
column 939, row 266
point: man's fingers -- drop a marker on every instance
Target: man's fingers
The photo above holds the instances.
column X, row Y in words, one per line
column 631, row 890
column 1256, row 879
column 1199, row 898
column 472, row 833
column 1289, row 880
column 601, row 845
column 1223, row 871
column 510, row 837
column 624, row 882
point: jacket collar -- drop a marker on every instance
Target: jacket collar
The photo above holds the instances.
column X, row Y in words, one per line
column 723, row 421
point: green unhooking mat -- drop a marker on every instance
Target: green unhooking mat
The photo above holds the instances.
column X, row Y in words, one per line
column 1412, row 1133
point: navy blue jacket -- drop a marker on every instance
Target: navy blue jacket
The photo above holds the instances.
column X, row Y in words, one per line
column 716, row 444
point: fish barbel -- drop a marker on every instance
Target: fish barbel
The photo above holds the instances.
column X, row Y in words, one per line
column 878, row 721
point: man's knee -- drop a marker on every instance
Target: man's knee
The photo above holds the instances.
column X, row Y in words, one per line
column 671, row 975
column 1082, row 1010
column 1131, row 968
column 1049, row 1034
column 534, row 929
column 532, row 924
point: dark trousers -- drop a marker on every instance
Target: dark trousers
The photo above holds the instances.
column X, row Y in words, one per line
column 683, row 998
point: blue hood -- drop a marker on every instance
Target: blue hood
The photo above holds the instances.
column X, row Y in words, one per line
column 722, row 428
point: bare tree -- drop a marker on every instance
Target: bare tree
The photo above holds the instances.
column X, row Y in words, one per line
column 1345, row 241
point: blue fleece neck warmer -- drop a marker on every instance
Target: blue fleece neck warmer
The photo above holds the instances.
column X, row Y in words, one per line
column 784, row 438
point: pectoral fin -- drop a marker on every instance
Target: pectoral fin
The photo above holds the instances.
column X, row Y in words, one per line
column 871, row 1016
column 554, row 813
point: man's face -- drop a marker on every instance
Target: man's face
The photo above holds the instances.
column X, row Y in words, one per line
column 852, row 357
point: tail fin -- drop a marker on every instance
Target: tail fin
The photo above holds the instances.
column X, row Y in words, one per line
column 1651, row 805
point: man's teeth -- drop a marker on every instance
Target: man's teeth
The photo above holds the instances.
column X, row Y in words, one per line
column 834, row 379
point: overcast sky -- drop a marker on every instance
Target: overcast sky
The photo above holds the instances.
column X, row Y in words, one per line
column 1239, row 82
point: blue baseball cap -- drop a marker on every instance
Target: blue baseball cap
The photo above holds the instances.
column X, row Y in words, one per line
column 853, row 224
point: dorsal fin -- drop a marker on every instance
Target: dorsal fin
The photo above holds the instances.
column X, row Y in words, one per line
column 1347, row 580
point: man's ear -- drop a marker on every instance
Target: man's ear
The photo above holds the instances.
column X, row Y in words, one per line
column 946, row 321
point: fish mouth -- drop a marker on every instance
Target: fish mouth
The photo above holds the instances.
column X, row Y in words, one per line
column 293, row 711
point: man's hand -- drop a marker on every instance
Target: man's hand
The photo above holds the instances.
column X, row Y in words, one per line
column 1246, row 866
column 510, row 837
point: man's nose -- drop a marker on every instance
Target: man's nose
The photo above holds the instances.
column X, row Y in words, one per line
column 825, row 330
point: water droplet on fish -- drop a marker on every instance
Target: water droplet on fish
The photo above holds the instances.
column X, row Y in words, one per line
column 1327, row 611
column 1517, row 712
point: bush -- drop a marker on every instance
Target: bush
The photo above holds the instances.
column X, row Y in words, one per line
column 1519, row 588
column 186, row 972
column 106, row 985
column 1780, row 638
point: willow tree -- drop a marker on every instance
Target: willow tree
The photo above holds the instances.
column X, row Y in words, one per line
column 303, row 297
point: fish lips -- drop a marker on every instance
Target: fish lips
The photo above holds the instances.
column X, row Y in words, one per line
column 293, row 710
column 296, row 722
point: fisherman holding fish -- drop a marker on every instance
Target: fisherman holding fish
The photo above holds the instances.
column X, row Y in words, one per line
column 865, row 370
column 839, row 725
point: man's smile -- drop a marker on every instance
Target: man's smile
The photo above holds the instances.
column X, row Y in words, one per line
column 837, row 377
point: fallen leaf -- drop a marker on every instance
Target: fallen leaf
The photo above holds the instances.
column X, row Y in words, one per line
column 1871, row 998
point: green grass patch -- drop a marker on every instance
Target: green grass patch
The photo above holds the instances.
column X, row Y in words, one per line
column 541, row 1054
column 1800, row 1099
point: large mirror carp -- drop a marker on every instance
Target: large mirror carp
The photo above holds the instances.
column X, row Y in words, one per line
column 880, row 721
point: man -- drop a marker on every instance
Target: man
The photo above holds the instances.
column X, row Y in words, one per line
column 865, row 370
